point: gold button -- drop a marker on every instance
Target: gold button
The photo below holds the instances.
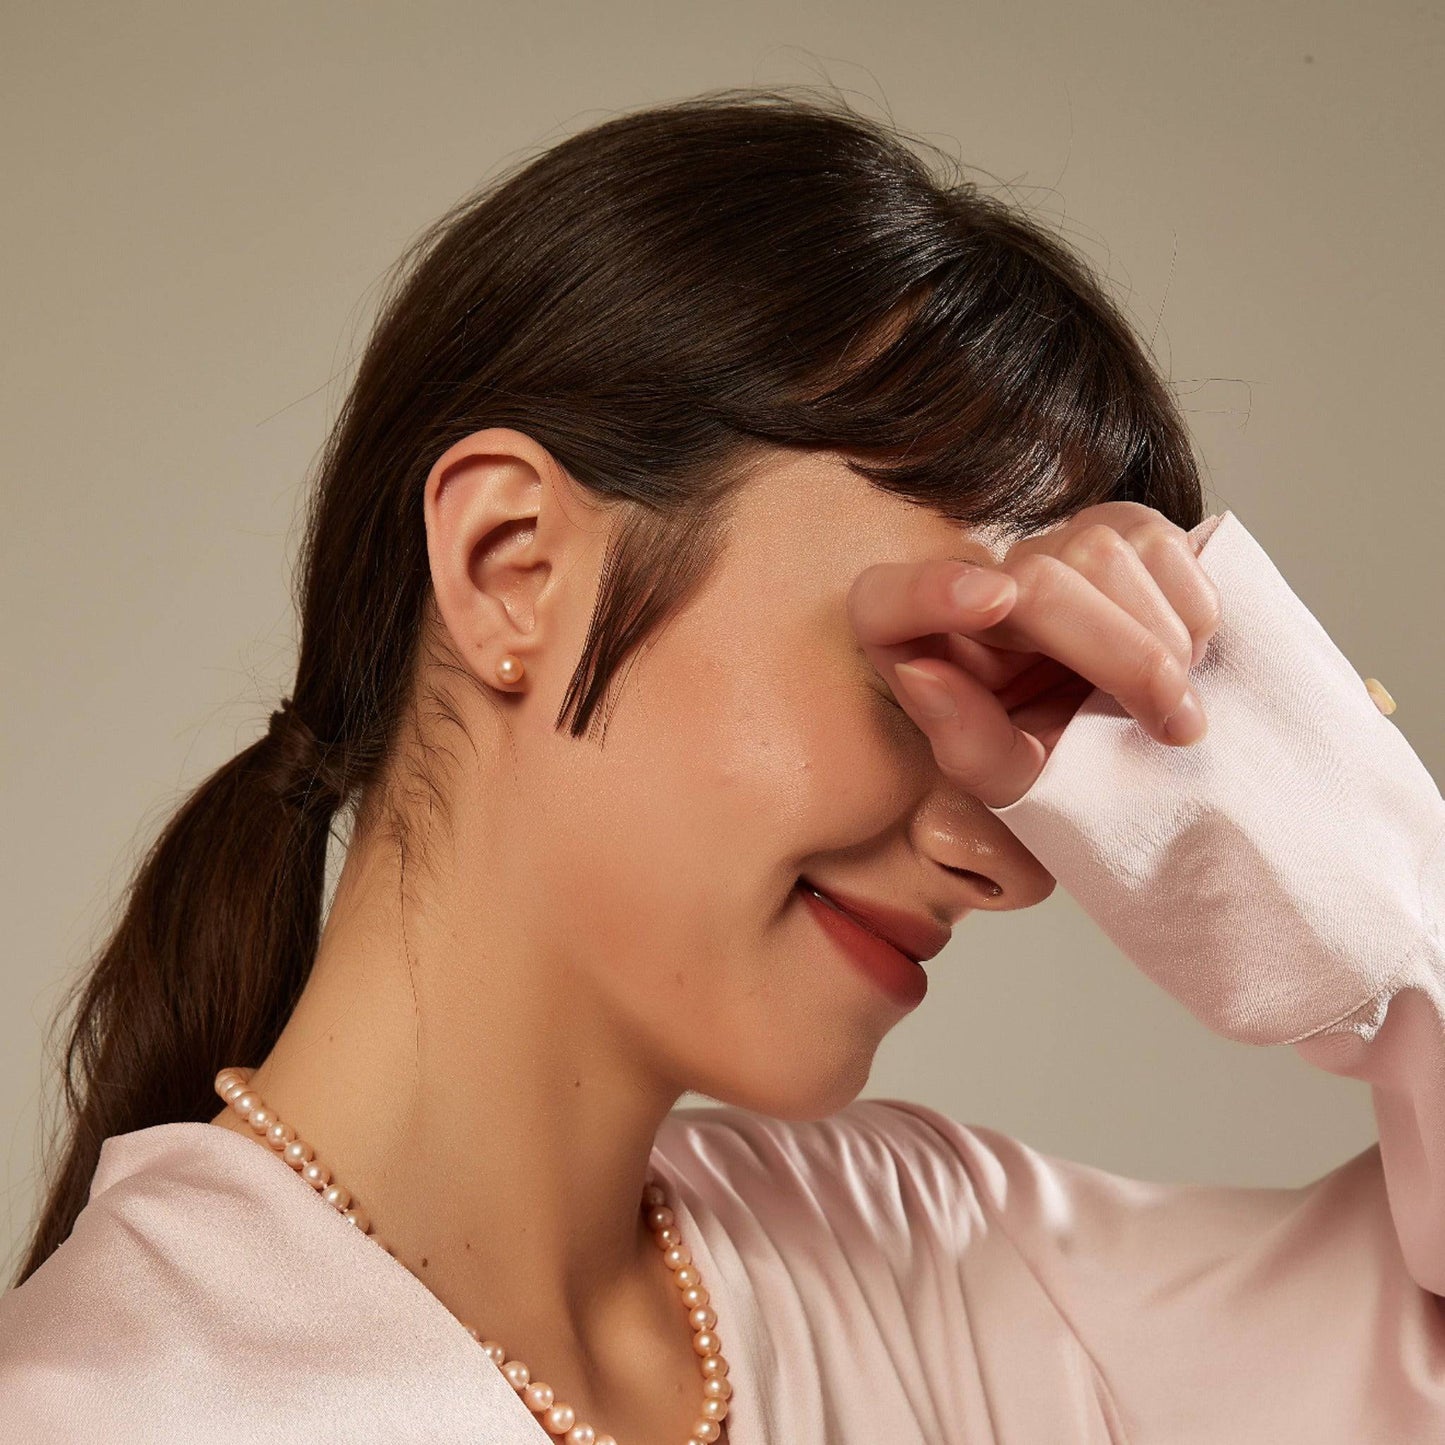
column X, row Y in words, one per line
column 1383, row 700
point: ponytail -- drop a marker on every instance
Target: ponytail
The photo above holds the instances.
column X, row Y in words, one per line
column 217, row 940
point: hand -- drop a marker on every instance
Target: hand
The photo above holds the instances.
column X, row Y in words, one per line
column 992, row 662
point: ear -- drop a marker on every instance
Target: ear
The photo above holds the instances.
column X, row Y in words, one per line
column 506, row 527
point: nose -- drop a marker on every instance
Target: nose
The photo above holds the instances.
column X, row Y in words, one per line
column 980, row 863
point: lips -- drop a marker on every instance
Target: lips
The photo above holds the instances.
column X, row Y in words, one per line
column 914, row 937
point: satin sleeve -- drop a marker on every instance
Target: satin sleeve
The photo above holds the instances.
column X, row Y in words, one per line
column 1284, row 877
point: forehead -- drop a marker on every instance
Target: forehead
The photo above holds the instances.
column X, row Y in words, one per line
column 809, row 515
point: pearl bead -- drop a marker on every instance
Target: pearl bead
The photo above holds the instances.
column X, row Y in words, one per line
column 279, row 1135
column 604, row 1440
column 652, row 1196
column 705, row 1342
column 359, row 1217
column 261, row 1119
column 702, row 1318
column 719, row 1388
column 713, row 1366
column 714, row 1409
column 694, row 1295
column 297, row 1153
column 686, row 1277
column 538, row 1396
column 677, row 1256
column 336, row 1196
column 660, row 1217
column 559, row 1419
column 581, row 1435
column 244, row 1102
column 317, row 1175
column 667, row 1237
column 494, row 1352
column 707, row 1431
column 518, row 1375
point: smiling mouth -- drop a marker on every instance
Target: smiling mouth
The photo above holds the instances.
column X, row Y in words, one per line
column 805, row 886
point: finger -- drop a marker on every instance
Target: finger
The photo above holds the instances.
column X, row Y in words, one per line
column 1109, row 560
column 1169, row 555
column 894, row 602
column 975, row 744
column 1060, row 612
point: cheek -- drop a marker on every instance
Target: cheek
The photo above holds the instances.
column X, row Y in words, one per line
column 713, row 788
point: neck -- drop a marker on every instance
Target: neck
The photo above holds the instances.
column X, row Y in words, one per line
column 496, row 1126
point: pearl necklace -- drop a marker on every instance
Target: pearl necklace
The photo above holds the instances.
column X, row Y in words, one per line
column 233, row 1085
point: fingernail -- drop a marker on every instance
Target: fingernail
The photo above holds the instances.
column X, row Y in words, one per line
column 980, row 589
column 1186, row 723
column 927, row 694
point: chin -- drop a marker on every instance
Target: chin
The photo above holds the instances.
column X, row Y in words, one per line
column 799, row 1094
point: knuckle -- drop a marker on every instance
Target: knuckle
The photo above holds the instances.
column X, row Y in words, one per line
column 1042, row 574
column 1090, row 546
column 1157, row 668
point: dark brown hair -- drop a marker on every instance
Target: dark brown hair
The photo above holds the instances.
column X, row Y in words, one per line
column 652, row 300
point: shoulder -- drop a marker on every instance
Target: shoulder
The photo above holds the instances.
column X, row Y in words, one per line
column 881, row 1171
column 196, row 1257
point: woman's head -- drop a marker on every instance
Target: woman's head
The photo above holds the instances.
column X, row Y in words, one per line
column 712, row 359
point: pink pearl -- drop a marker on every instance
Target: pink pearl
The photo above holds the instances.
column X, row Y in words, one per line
column 261, row 1119
column 316, row 1174
column 244, row 1102
column 581, row 1435
column 705, row 1342
column 666, row 1238
column 493, row 1350
column 712, row 1366
column 702, row 1318
column 661, row 1217
column 359, row 1217
column 604, row 1440
column 336, row 1196
column 225, row 1078
column 297, row 1153
column 686, row 1277
column 707, row 1431
column 720, row 1388
column 714, row 1409
column 518, row 1375
column 539, row 1396
column 694, row 1295
column 559, row 1419
column 652, row 1196
column 677, row 1256
column 279, row 1135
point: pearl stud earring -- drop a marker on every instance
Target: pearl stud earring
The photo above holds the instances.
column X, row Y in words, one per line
column 509, row 669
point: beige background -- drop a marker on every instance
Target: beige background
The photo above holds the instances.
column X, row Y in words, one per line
column 199, row 201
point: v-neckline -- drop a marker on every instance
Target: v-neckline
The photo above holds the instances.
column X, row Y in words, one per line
column 729, row 1302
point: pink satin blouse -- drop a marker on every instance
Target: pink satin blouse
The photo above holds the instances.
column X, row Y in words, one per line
column 890, row 1274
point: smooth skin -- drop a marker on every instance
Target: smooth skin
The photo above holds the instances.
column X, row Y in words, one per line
column 501, row 1016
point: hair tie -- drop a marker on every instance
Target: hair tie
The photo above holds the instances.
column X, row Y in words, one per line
column 303, row 776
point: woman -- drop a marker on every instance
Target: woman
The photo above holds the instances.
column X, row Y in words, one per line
column 743, row 553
